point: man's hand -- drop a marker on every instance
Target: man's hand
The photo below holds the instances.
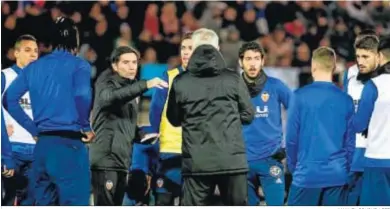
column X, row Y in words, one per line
column 8, row 173
column 156, row 82
column 148, row 182
column 90, row 136
column 10, row 130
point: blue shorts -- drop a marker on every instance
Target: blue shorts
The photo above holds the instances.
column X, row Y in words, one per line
column 355, row 188
column 168, row 178
column 330, row 196
column 270, row 174
column 375, row 187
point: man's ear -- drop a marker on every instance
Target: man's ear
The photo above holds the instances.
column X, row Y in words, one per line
column 16, row 53
column 380, row 58
column 114, row 67
column 262, row 62
column 240, row 62
column 313, row 66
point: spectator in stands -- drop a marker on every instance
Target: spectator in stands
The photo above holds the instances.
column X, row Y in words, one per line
column 229, row 18
column 247, row 26
column 125, row 38
column 122, row 16
column 277, row 45
column 189, row 22
column 325, row 42
column 150, row 56
column 312, row 37
column 261, row 21
column 151, row 22
column 230, row 47
column 339, row 20
column 295, row 28
column 211, row 17
column 302, row 56
column 101, row 41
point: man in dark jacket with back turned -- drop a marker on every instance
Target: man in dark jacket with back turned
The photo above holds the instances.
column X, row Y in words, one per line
column 115, row 124
column 211, row 103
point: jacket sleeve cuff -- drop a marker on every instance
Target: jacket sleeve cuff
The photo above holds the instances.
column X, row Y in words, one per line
column 9, row 163
column 143, row 85
column 86, row 128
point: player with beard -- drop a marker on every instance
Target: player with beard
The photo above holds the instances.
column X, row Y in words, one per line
column 263, row 137
column 366, row 45
column 374, row 113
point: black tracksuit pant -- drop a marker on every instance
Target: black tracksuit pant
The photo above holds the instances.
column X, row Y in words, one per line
column 199, row 190
column 108, row 187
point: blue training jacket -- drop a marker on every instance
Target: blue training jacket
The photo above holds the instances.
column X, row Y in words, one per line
column 60, row 90
column 263, row 137
column 320, row 139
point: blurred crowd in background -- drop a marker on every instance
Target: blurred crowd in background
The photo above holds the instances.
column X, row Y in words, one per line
column 289, row 31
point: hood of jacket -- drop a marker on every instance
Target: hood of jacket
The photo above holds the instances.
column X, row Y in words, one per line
column 206, row 61
column 384, row 69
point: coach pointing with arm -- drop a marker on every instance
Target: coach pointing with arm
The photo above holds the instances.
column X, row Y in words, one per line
column 115, row 123
column 211, row 103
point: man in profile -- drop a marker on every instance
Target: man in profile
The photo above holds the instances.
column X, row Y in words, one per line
column 210, row 103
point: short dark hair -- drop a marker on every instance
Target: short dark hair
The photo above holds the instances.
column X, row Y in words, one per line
column 368, row 42
column 384, row 46
column 66, row 34
column 254, row 46
column 118, row 52
column 25, row 37
column 187, row 36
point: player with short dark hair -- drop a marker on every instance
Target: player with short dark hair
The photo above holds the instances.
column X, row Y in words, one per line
column 263, row 137
column 367, row 59
column 320, row 139
column 373, row 114
column 22, row 143
column 60, row 92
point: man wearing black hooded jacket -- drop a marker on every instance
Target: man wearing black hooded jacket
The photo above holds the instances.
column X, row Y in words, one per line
column 210, row 103
column 114, row 120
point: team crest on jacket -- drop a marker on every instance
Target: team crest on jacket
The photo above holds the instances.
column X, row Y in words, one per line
column 109, row 185
column 160, row 182
column 265, row 96
column 275, row 171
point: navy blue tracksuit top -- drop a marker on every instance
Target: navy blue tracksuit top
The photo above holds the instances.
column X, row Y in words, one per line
column 60, row 91
column 320, row 138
